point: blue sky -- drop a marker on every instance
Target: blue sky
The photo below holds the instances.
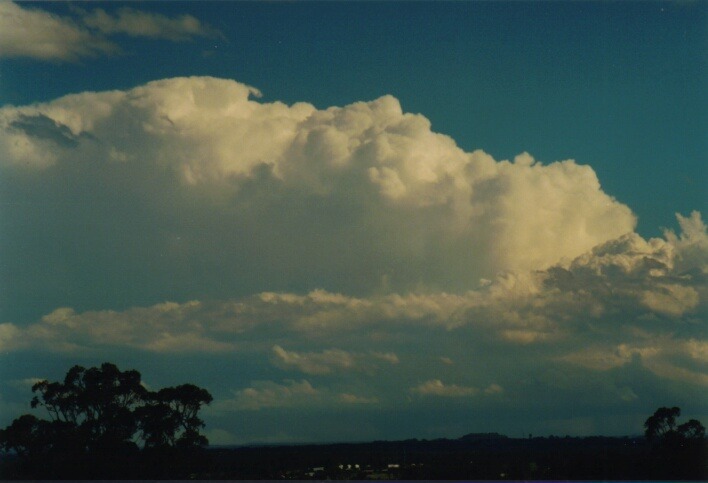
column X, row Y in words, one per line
column 315, row 195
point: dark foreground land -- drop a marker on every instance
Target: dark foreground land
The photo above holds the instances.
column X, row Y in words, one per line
column 103, row 424
column 476, row 457
column 473, row 457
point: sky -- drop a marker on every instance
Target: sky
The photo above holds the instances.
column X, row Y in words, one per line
column 359, row 221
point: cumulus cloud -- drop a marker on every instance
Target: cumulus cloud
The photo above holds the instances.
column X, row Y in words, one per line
column 351, row 241
column 587, row 316
column 329, row 360
column 665, row 357
column 41, row 35
column 10, row 336
column 266, row 196
column 691, row 243
column 612, row 281
column 165, row 327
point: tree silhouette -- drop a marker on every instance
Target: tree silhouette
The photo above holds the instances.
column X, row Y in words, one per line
column 27, row 436
column 99, row 418
column 661, row 423
column 169, row 418
column 692, row 430
column 661, row 427
column 98, row 402
column 677, row 452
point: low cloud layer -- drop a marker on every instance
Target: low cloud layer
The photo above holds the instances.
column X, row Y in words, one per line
column 289, row 394
column 41, row 35
column 329, row 360
column 626, row 303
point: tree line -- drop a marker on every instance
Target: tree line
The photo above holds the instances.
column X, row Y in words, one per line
column 102, row 421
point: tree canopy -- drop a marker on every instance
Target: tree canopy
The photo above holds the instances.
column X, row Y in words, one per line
column 103, row 413
column 661, row 427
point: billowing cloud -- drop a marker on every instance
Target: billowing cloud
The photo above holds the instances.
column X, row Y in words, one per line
column 352, row 244
column 35, row 33
column 194, row 186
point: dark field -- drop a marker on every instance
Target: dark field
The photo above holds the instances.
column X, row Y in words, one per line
column 476, row 457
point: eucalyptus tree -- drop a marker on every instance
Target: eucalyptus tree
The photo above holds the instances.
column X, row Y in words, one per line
column 102, row 415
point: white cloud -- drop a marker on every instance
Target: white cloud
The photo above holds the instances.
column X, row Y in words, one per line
column 10, row 337
column 270, row 394
column 593, row 311
column 493, row 389
column 144, row 24
column 697, row 349
column 41, row 35
column 435, row 387
column 354, row 399
column 663, row 355
column 427, row 255
column 166, row 327
column 691, row 242
column 330, row 360
column 187, row 342
column 616, row 356
column 344, row 197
